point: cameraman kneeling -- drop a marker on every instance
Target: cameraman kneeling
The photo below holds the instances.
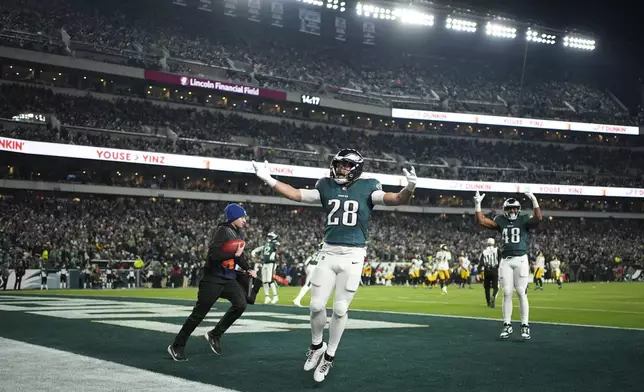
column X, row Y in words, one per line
column 219, row 280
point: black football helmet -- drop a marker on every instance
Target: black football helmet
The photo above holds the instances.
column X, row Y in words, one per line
column 350, row 158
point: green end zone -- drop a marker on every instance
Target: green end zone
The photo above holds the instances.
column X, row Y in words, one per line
column 265, row 350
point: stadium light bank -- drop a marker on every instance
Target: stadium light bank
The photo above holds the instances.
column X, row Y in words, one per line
column 468, row 22
column 336, row 5
column 404, row 15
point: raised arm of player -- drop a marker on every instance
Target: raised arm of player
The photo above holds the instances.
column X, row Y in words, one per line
column 256, row 251
column 536, row 210
column 402, row 197
column 310, row 196
column 481, row 219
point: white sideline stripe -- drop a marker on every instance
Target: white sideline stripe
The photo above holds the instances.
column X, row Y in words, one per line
column 532, row 306
column 498, row 320
column 26, row 367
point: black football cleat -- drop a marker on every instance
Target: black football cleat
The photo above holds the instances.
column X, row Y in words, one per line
column 214, row 343
column 177, row 353
column 525, row 332
column 506, row 332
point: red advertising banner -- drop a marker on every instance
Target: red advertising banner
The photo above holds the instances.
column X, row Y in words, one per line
column 215, row 85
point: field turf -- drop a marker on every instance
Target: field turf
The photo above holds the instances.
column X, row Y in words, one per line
column 585, row 337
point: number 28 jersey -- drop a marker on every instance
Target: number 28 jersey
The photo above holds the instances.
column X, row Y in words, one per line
column 348, row 209
column 514, row 235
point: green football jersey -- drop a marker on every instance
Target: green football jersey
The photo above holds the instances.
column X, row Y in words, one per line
column 514, row 235
column 269, row 252
column 347, row 210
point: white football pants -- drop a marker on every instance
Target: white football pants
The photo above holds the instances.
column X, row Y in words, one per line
column 339, row 268
column 514, row 274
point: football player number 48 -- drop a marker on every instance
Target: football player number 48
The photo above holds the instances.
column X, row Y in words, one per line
column 514, row 236
column 349, row 213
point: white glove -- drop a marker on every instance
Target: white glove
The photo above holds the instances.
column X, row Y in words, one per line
column 533, row 198
column 412, row 179
column 478, row 198
column 264, row 173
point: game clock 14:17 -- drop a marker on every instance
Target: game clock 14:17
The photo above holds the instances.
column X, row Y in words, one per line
column 310, row 99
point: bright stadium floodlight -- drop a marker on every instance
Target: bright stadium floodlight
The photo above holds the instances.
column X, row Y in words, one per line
column 460, row 25
column 542, row 38
column 579, row 42
column 372, row 11
column 318, row 3
column 410, row 16
column 405, row 15
column 499, row 30
column 336, row 5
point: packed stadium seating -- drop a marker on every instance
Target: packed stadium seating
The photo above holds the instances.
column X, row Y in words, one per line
column 172, row 230
column 448, row 158
column 175, row 231
column 280, row 59
column 158, row 179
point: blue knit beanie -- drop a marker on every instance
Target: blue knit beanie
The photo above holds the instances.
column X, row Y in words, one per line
column 234, row 211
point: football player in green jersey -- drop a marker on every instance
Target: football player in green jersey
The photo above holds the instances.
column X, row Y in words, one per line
column 348, row 201
column 514, row 269
column 269, row 266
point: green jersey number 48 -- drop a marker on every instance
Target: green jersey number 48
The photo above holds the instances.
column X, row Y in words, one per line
column 511, row 235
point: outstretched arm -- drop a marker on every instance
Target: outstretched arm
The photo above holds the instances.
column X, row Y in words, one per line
column 481, row 219
column 311, row 196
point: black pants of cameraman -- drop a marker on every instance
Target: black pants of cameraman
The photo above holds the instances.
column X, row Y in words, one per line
column 491, row 281
column 211, row 288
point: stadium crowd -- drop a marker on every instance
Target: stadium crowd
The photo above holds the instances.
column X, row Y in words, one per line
column 274, row 58
column 186, row 130
column 75, row 231
column 174, row 231
column 60, row 170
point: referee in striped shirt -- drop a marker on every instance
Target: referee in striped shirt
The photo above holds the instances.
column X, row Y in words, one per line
column 490, row 262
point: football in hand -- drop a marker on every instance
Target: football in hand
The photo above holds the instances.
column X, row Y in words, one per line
column 231, row 246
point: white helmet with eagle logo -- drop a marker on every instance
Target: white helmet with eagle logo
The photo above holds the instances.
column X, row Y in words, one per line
column 511, row 208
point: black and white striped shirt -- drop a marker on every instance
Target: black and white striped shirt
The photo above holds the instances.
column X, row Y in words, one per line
column 490, row 257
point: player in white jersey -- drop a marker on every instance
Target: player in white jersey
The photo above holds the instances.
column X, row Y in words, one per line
column 131, row 277
column 380, row 274
column 87, row 277
column 43, row 278
column 464, row 270
column 443, row 257
column 390, row 269
column 539, row 266
column 414, row 270
column 555, row 270
column 309, row 265
column 63, row 277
